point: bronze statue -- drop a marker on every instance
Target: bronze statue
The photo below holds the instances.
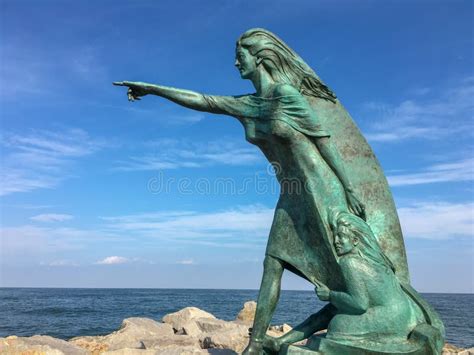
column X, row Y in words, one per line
column 304, row 131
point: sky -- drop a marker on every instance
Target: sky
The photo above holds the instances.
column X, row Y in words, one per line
column 97, row 191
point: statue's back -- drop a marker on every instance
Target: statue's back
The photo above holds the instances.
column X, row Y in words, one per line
column 368, row 180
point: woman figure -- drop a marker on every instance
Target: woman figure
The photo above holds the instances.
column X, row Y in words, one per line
column 280, row 121
column 372, row 308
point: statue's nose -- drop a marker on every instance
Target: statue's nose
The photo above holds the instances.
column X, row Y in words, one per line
column 236, row 63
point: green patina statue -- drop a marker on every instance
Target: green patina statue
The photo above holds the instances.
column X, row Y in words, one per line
column 374, row 313
column 355, row 257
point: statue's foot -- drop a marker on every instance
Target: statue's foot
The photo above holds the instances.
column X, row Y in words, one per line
column 271, row 344
column 255, row 347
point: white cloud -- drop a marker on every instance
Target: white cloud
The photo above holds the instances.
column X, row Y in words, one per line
column 32, row 69
column 174, row 154
column 28, row 206
column 446, row 114
column 186, row 262
column 27, row 240
column 60, row 263
column 239, row 227
column 52, row 217
column 462, row 170
column 41, row 159
column 113, row 260
column 243, row 227
column 182, row 118
column 437, row 220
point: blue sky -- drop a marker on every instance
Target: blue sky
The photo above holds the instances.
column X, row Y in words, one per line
column 100, row 192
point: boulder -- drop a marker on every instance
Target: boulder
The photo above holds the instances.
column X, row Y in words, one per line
column 247, row 314
column 219, row 334
column 450, row 349
column 38, row 344
column 172, row 341
column 95, row 345
column 131, row 351
column 191, row 328
column 131, row 334
column 134, row 330
column 178, row 319
column 232, row 339
column 168, row 351
column 209, row 325
column 279, row 330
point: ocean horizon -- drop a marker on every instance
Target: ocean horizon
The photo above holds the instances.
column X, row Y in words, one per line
column 69, row 312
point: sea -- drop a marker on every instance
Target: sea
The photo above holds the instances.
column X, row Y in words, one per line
column 68, row 312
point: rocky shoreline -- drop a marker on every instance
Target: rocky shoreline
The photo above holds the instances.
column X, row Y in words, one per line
column 188, row 331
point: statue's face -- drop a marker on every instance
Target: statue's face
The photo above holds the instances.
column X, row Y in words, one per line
column 344, row 241
column 245, row 63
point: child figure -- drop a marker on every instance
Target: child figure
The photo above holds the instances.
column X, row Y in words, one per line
column 373, row 308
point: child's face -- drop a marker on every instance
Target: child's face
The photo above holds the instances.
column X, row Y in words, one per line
column 344, row 242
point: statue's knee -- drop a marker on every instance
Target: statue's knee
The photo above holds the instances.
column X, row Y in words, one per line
column 271, row 264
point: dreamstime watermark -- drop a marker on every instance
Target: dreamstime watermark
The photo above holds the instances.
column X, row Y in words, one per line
column 269, row 181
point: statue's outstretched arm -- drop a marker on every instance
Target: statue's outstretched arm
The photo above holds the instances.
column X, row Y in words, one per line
column 226, row 105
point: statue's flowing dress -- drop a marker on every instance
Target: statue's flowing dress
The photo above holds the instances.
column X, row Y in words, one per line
column 285, row 129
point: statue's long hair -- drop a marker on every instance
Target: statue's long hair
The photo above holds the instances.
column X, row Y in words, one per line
column 283, row 64
column 368, row 247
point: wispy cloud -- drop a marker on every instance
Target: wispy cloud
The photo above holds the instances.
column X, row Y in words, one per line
column 32, row 69
column 60, row 263
column 174, row 154
column 242, row 227
column 438, row 220
column 28, row 206
column 113, row 260
column 40, row 159
column 33, row 239
column 52, row 217
column 186, row 262
column 462, row 170
column 246, row 224
column 183, row 118
column 429, row 118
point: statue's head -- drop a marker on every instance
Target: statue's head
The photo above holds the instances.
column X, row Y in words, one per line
column 346, row 239
column 352, row 235
column 259, row 47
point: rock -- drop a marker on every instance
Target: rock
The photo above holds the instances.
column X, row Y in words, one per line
column 233, row 339
column 172, row 341
column 450, row 349
column 134, row 330
column 182, row 317
column 191, row 328
column 38, row 344
column 94, row 344
column 247, row 314
column 279, row 330
column 143, row 336
column 208, row 325
column 131, row 351
column 131, row 334
column 168, row 351
column 219, row 334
